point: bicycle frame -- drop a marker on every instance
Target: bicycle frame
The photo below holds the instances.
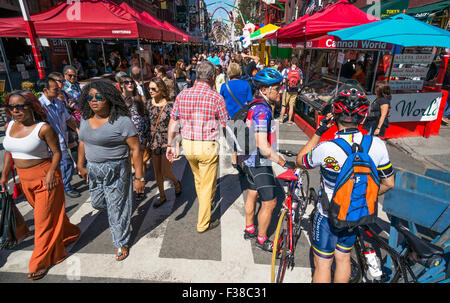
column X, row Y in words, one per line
column 400, row 261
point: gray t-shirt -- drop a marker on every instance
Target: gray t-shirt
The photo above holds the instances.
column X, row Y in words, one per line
column 107, row 142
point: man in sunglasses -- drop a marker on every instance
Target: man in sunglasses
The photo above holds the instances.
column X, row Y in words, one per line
column 71, row 85
column 60, row 119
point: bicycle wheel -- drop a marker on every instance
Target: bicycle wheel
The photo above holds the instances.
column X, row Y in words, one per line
column 281, row 248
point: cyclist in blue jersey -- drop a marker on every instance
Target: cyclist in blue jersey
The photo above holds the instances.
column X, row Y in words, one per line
column 258, row 163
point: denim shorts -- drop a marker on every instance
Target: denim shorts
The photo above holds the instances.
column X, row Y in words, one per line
column 327, row 239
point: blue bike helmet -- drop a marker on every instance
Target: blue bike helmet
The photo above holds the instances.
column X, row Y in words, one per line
column 268, row 77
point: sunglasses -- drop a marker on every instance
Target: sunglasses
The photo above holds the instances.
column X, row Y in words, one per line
column 19, row 107
column 153, row 89
column 126, row 82
column 98, row 97
column 71, row 75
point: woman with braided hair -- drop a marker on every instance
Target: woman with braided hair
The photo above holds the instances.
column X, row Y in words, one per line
column 107, row 137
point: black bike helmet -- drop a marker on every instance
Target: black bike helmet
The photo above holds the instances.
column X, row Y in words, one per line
column 351, row 105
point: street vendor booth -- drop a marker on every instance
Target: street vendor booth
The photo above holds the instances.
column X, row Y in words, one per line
column 90, row 20
column 416, row 110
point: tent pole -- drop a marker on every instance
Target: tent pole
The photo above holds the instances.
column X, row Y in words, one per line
column 68, row 52
column 104, row 57
column 5, row 60
column 375, row 72
column 339, row 75
column 392, row 62
column 140, row 62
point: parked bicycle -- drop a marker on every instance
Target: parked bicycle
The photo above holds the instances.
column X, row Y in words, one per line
column 289, row 223
column 373, row 260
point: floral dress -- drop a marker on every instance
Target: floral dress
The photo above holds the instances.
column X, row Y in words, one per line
column 142, row 124
column 160, row 137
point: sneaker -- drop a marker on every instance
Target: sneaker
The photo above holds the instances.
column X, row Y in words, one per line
column 267, row 245
column 73, row 193
column 248, row 235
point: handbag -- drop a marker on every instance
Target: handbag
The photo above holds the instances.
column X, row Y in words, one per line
column 148, row 151
column 17, row 189
column 13, row 228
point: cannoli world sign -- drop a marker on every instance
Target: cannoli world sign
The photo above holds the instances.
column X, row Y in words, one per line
column 413, row 107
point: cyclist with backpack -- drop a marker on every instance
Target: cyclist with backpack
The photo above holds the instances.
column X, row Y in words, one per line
column 258, row 161
column 355, row 169
column 293, row 78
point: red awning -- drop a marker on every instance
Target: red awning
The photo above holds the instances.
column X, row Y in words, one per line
column 174, row 36
column 84, row 19
column 167, row 35
column 335, row 16
column 186, row 36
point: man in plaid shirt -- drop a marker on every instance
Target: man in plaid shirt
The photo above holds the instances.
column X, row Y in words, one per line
column 200, row 112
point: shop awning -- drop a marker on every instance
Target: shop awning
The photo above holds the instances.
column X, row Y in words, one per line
column 186, row 36
column 264, row 31
column 174, row 35
column 423, row 12
column 333, row 42
column 87, row 19
column 385, row 9
column 335, row 16
column 167, row 35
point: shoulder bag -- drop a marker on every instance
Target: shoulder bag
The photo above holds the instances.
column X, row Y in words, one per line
column 148, row 151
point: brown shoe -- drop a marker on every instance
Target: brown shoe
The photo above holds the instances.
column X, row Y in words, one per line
column 122, row 253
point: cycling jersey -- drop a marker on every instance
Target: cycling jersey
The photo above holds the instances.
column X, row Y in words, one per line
column 330, row 157
column 259, row 120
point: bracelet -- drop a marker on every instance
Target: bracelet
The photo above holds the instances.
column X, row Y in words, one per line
column 139, row 179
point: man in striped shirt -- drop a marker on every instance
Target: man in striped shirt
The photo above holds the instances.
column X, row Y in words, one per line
column 200, row 113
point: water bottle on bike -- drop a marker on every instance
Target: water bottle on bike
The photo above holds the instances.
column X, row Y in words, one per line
column 374, row 264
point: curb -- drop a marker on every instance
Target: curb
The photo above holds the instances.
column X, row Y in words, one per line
column 405, row 149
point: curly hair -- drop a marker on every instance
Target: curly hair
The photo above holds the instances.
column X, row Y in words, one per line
column 39, row 112
column 111, row 94
column 162, row 87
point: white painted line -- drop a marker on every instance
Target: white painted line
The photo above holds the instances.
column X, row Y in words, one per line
column 292, row 142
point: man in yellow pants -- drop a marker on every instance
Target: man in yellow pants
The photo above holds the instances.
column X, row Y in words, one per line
column 200, row 112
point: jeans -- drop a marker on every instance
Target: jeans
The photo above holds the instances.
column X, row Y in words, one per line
column 66, row 166
column 447, row 109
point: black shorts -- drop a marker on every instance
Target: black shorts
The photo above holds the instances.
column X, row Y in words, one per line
column 262, row 180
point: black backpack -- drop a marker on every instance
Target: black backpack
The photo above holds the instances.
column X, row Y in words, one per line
column 237, row 132
column 249, row 80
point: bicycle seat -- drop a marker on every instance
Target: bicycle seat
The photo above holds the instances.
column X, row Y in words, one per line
column 420, row 246
column 288, row 175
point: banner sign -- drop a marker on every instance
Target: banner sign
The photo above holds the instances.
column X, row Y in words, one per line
column 330, row 43
column 413, row 107
column 406, row 84
column 409, row 72
column 413, row 59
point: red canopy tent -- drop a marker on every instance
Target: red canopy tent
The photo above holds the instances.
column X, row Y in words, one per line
column 335, row 16
column 186, row 36
column 84, row 19
column 167, row 34
column 175, row 36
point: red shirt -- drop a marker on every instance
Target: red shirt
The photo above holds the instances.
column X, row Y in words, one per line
column 200, row 111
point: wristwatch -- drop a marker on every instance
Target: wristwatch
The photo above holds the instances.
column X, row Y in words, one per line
column 140, row 179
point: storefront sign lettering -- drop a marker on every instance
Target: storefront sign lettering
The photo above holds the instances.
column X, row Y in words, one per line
column 413, row 58
column 409, row 72
column 406, row 84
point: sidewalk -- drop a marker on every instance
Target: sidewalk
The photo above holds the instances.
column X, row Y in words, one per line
column 433, row 151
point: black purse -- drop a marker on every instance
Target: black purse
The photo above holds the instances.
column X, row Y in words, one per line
column 8, row 236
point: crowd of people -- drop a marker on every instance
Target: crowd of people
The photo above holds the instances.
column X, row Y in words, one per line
column 110, row 130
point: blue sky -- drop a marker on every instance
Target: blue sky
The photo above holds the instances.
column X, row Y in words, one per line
column 216, row 4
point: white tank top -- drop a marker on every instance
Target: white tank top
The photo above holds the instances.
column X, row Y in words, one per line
column 29, row 147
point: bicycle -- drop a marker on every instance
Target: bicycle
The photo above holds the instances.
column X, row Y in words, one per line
column 417, row 251
column 289, row 223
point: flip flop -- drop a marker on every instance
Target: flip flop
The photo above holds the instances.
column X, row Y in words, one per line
column 122, row 254
column 37, row 275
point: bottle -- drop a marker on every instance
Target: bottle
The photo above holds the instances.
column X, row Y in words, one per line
column 373, row 262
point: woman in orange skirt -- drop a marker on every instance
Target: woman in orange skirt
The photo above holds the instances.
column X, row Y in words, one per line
column 28, row 140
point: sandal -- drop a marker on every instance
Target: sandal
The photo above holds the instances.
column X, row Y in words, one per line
column 159, row 202
column 178, row 188
column 37, row 275
column 122, row 253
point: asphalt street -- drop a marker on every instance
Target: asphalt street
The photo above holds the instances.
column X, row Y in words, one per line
column 165, row 246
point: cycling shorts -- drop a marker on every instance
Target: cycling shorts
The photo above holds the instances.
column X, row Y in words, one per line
column 262, row 180
column 327, row 239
